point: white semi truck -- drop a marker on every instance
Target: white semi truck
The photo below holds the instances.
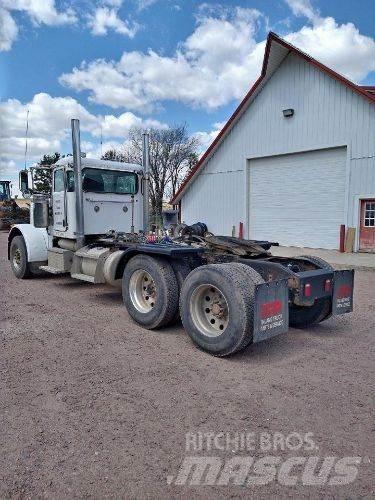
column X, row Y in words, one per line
column 228, row 292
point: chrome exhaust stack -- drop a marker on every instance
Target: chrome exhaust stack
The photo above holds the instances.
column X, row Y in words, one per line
column 76, row 141
column 146, row 180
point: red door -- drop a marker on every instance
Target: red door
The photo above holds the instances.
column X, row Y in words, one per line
column 367, row 228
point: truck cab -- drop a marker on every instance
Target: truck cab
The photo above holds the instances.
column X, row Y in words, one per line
column 112, row 197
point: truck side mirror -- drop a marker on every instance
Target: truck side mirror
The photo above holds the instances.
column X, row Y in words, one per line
column 24, row 181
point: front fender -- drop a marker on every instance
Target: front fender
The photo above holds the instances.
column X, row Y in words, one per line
column 36, row 240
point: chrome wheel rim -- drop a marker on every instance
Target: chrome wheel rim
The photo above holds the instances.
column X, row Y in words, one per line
column 17, row 259
column 209, row 310
column 142, row 291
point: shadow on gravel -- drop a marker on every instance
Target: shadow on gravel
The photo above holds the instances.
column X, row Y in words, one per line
column 334, row 328
column 74, row 284
column 175, row 329
column 284, row 346
column 110, row 298
column 46, row 276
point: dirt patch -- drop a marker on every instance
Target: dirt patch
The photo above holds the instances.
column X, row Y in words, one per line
column 92, row 405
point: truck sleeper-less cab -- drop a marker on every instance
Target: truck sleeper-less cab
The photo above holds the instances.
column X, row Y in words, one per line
column 228, row 292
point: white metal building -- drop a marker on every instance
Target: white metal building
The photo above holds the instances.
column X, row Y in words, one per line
column 293, row 179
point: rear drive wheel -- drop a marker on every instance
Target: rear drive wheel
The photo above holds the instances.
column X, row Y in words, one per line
column 302, row 317
column 216, row 306
column 18, row 258
column 150, row 291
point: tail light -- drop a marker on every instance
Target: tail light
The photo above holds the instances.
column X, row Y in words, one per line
column 327, row 285
column 307, row 290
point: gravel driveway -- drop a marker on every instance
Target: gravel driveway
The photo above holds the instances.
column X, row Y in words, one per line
column 92, row 405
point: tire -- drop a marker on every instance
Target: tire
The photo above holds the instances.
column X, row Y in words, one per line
column 253, row 278
column 156, row 306
column 18, row 258
column 317, row 260
column 303, row 317
column 181, row 270
column 228, row 291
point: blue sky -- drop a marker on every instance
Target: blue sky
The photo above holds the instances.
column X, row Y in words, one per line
column 116, row 64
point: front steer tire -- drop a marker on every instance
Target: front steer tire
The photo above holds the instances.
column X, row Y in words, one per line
column 150, row 291
column 230, row 289
column 18, row 258
column 303, row 317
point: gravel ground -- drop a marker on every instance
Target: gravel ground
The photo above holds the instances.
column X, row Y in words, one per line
column 92, row 405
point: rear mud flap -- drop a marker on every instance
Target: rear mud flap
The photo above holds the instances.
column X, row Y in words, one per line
column 343, row 286
column 271, row 310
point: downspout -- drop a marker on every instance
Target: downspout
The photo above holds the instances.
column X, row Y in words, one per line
column 146, row 180
column 76, row 141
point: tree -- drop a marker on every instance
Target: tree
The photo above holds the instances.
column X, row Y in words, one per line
column 43, row 177
column 113, row 155
column 173, row 153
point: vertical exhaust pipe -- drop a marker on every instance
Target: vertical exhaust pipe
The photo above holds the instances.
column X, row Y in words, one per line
column 146, row 180
column 76, row 141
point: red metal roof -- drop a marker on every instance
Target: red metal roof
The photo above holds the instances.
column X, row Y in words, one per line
column 364, row 91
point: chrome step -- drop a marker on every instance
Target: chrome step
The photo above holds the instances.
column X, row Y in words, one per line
column 53, row 270
column 83, row 277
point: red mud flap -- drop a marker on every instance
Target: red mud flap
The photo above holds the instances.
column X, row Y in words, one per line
column 343, row 285
column 271, row 310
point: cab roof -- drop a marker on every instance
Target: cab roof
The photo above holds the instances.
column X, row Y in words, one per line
column 104, row 164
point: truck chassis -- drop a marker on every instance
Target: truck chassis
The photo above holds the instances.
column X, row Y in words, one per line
column 228, row 292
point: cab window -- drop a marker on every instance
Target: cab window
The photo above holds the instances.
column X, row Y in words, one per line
column 109, row 181
column 58, row 181
column 70, row 181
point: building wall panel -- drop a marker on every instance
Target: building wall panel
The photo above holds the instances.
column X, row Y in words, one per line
column 327, row 114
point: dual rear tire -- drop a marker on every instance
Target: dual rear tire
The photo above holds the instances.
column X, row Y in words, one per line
column 216, row 301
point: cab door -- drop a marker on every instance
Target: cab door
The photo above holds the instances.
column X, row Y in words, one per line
column 59, row 200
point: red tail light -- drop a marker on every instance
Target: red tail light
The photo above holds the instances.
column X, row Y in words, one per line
column 307, row 290
column 327, row 285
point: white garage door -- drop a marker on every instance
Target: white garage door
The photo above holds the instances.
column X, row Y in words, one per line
column 298, row 199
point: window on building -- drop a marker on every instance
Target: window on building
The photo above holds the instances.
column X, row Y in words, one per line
column 370, row 214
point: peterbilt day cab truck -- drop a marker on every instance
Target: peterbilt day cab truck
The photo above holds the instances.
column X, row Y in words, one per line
column 228, row 292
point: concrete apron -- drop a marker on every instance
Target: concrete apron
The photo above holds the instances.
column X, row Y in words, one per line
column 364, row 261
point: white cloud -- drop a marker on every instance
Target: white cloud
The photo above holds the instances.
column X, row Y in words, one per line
column 49, row 126
column 8, row 30
column 213, row 66
column 7, row 167
column 49, row 117
column 39, row 12
column 206, row 138
column 119, row 126
column 341, row 47
column 218, row 62
column 303, row 8
column 105, row 18
column 144, row 4
column 96, row 150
